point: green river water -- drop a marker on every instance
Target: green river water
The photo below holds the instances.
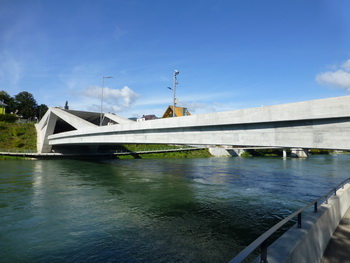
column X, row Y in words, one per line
column 151, row 210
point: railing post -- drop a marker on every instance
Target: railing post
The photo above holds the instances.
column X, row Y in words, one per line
column 299, row 220
column 263, row 254
column 335, row 191
column 315, row 207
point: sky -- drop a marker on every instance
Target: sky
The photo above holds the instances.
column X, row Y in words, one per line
column 231, row 54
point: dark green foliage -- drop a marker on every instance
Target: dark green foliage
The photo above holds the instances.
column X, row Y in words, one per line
column 7, row 99
column 8, row 118
column 41, row 110
column 269, row 152
column 153, row 147
column 246, row 154
column 26, row 104
column 319, row 151
column 266, row 152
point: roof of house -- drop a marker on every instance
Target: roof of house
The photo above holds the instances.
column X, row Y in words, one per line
column 2, row 103
column 179, row 111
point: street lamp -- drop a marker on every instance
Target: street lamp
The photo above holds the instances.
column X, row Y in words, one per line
column 103, row 79
column 176, row 72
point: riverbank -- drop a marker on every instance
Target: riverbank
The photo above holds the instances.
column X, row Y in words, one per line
column 17, row 137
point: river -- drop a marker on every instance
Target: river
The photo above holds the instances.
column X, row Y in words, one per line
column 151, row 210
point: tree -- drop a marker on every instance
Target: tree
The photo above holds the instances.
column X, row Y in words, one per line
column 27, row 105
column 66, row 107
column 7, row 99
column 41, row 110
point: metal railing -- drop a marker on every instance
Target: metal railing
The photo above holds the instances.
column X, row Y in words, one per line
column 17, row 151
column 262, row 240
column 124, row 152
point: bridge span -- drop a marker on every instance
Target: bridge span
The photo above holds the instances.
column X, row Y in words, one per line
column 316, row 124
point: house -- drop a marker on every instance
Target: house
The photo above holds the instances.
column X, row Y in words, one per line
column 149, row 117
column 2, row 107
column 179, row 111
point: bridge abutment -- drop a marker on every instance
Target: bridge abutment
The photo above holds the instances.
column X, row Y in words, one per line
column 223, row 152
column 298, row 152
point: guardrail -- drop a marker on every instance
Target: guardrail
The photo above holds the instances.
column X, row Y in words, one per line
column 17, row 151
column 157, row 151
column 33, row 153
column 262, row 240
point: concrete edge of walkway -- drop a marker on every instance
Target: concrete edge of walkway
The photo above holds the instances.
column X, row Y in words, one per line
column 308, row 243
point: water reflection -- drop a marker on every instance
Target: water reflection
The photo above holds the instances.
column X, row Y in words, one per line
column 187, row 210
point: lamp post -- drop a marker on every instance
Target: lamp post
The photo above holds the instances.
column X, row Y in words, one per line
column 176, row 72
column 103, row 79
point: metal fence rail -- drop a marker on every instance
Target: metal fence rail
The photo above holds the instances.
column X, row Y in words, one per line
column 34, row 154
column 261, row 242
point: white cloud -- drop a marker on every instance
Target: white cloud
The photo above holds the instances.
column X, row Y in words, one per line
column 198, row 107
column 346, row 65
column 115, row 100
column 337, row 78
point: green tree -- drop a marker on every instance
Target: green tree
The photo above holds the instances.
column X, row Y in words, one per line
column 41, row 110
column 7, row 99
column 27, row 105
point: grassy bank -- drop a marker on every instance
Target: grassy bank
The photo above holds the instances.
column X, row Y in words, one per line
column 203, row 153
column 20, row 137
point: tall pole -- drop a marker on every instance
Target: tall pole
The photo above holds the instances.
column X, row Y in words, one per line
column 174, row 90
column 103, row 79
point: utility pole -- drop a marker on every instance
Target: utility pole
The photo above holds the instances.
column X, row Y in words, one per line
column 103, row 78
column 174, row 90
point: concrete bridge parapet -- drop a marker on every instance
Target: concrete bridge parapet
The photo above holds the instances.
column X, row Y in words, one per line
column 308, row 243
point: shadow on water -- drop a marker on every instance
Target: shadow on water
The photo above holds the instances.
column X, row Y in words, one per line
column 169, row 210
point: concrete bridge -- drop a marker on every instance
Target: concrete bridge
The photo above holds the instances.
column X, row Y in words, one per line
column 316, row 124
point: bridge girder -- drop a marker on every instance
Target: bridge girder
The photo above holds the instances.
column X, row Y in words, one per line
column 323, row 124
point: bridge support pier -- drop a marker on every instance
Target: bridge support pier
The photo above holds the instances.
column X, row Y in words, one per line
column 222, row 152
column 299, row 152
column 238, row 152
column 284, row 153
column 219, row 152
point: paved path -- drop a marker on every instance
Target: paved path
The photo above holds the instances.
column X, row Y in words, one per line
column 338, row 249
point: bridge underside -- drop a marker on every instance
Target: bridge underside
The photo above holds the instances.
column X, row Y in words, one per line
column 318, row 124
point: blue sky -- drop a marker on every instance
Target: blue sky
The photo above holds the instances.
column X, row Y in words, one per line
column 231, row 54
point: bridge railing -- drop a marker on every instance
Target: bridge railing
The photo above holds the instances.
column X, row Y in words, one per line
column 17, row 151
column 261, row 242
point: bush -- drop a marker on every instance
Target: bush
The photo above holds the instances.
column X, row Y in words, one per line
column 8, row 118
column 246, row 154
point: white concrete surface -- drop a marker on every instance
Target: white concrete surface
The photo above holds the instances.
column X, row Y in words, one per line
column 219, row 152
column 323, row 124
column 299, row 152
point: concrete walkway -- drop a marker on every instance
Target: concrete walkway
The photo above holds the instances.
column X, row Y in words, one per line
column 338, row 249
